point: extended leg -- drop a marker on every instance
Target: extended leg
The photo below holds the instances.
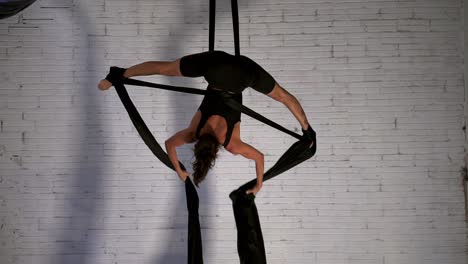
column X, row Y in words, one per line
column 281, row 95
column 167, row 68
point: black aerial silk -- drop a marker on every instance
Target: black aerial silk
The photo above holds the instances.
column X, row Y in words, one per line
column 250, row 244
column 10, row 8
column 195, row 254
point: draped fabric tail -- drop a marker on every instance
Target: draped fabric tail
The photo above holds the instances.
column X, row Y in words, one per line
column 250, row 245
column 194, row 242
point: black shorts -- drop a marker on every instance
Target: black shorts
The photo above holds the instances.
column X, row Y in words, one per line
column 226, row 72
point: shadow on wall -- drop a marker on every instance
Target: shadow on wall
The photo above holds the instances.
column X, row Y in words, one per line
column 78, row 238
column 78, row 241
column 177, row 237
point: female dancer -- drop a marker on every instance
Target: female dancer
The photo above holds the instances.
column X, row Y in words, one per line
column 215, row 123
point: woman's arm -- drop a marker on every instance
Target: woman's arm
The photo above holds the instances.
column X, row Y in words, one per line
column 178, row 139
column 237, row 146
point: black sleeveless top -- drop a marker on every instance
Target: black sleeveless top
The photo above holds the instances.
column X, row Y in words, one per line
column 213, row 104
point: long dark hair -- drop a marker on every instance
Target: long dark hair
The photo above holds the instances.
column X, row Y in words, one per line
column 205, row 151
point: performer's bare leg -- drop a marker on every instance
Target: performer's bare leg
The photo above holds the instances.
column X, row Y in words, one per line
column 281, row 95
column 167, row 68
column 172, row 68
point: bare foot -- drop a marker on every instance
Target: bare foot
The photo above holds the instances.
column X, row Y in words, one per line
column 104, row 84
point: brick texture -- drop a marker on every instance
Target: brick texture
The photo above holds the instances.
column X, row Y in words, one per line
column 382, row 83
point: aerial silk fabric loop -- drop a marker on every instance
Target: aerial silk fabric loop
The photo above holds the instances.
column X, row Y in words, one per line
column 295, row 155
column 250, row 245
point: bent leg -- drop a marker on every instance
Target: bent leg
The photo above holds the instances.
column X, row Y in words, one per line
column 281, row 95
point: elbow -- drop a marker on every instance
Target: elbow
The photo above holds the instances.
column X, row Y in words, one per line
column 232, row 148
column 260, row 158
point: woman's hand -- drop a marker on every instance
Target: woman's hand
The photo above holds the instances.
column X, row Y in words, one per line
column 254, row 190
column 183, row 175
column 104, row 84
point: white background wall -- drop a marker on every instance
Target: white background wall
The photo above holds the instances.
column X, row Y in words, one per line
column 381, row 81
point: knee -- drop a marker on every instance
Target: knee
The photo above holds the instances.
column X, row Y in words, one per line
column 279, row 94
column 171, row 68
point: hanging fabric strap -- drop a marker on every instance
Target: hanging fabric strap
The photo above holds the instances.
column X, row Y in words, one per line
column 235, row 26
column 212, row 25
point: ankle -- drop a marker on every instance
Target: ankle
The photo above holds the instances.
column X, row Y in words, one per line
column 126, row 74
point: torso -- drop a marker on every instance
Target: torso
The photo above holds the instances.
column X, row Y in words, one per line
column 217, row 118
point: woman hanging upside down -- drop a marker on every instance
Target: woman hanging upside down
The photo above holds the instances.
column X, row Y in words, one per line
column 215, row 123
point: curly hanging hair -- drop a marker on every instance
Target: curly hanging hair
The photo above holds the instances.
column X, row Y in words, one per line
column 205, row 151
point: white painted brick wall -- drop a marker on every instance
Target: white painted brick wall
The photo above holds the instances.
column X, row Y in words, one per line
column 382, row 83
